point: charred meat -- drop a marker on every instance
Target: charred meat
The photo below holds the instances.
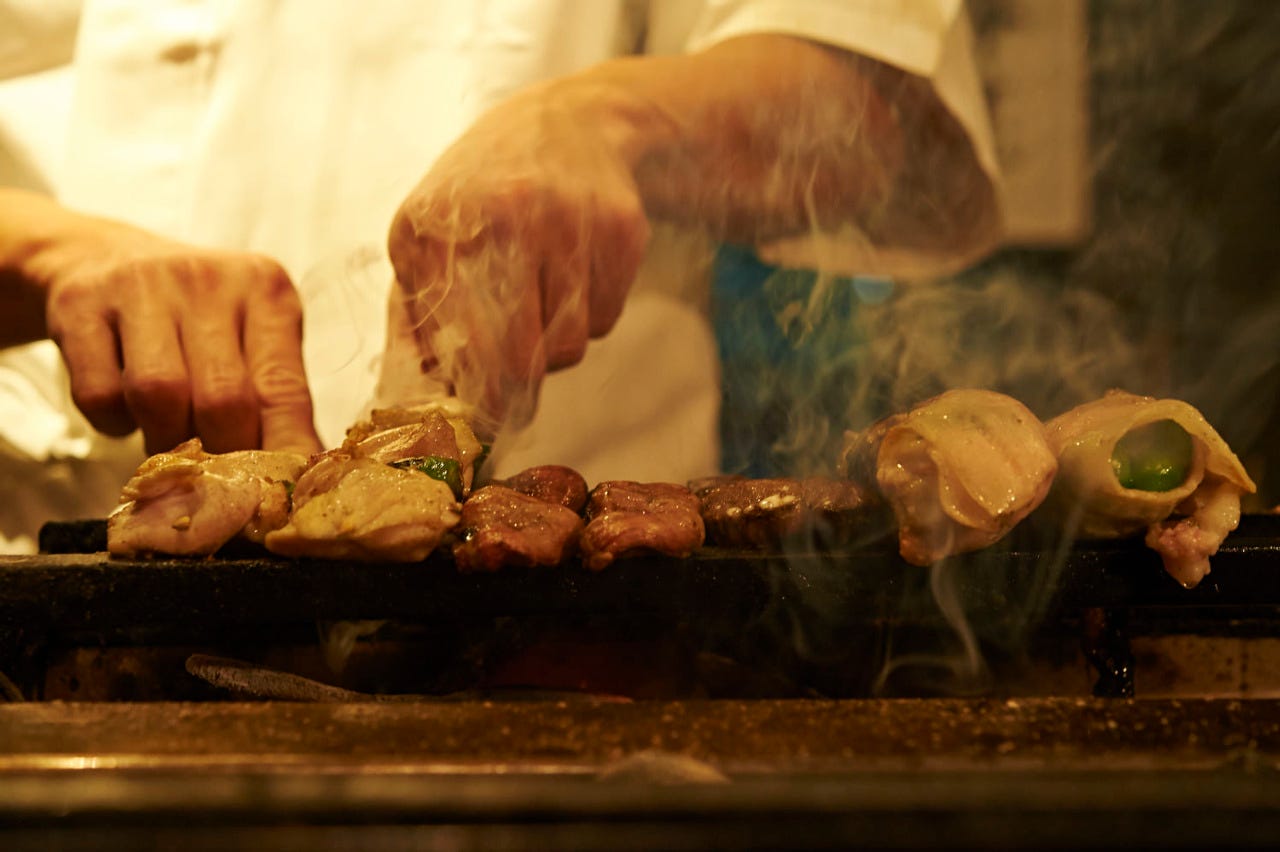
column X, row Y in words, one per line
column 767, row 513
column 625, row 517
column 553, row 483
column 502, row 527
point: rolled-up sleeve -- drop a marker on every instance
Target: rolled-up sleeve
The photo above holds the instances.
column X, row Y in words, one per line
column 929, row 38
column 36, row 35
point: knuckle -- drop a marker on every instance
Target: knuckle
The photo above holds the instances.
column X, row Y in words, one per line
column 129, row 270
column 281, row 385
column 96, row 398
column 64, row 313
column 223, row 391
column 206, row 277
column 71, row 296
column 156, row 391
column 275, row 286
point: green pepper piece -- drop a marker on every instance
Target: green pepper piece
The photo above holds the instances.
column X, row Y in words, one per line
column 1154, row 457
column 448, row 471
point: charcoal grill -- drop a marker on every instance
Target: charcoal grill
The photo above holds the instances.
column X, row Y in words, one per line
column 823, row 760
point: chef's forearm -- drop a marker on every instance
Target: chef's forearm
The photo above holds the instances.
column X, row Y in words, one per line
column 766, row 136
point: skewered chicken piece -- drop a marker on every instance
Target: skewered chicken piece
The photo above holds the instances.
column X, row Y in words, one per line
column 433, row 433
column 360, row 508
column 187, row 502
column 1130, row 463
column 959, row 470
column 391, row 492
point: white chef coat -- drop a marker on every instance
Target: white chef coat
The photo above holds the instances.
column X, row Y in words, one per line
column 296, row 127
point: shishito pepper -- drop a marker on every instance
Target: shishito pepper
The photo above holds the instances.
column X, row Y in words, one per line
column 448, row 471
column 1154, row 457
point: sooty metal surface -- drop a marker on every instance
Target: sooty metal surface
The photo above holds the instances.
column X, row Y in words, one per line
column 89, row 591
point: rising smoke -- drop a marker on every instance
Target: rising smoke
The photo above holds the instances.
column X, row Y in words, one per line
column 1173, row 293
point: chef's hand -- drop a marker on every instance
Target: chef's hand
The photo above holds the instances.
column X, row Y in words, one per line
column 176, row 340
column 516, row 248
column 523, row 239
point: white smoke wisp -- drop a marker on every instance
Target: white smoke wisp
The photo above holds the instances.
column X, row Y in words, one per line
column 962, row 672
column 1047, row 346
column 1008, row 330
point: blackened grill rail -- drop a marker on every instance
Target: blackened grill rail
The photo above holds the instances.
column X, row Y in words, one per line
column 88, row 591
column 1103, row 591
column 79, row 590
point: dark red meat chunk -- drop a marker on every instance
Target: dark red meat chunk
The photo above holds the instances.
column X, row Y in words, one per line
column 626, row 517
column 768, row 513
column 503, row 528
column 551, row 482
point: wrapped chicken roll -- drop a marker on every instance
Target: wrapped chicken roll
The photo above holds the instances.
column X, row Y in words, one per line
column 1129, row 463
column 959, row 470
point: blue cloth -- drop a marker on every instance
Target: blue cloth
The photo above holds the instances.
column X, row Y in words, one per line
column 790, row 349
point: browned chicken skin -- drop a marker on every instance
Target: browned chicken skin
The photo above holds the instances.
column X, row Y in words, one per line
column 358, row 508
column 187, row 502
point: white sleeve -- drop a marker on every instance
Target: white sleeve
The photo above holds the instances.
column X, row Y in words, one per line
column 37, row 43
column 929, row 38
column 36, row 34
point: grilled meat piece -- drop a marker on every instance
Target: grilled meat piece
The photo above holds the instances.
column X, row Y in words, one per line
column 394, row 435
column 625, row 517
column 358, row 508
column 502, row 527
column 1187, row 503
column 551, row 482
column 704, row 485
column 766, row 513
column 959, row 470
column 187, row 502
column 433, row 436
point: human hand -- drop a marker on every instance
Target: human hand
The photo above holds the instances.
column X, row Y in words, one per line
column 179, row 341
column 517, row 247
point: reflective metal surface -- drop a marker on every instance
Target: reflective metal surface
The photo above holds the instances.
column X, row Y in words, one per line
column 1057, row 773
